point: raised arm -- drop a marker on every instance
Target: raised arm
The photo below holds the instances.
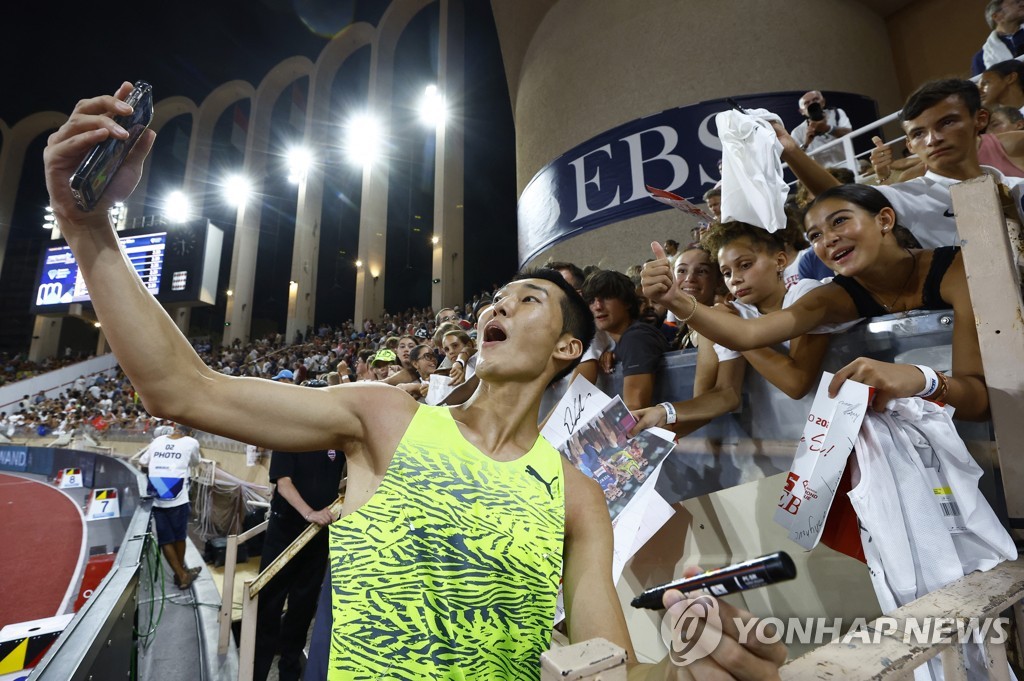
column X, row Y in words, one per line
column 827, row 304
column 169, row 376
column 807, row 170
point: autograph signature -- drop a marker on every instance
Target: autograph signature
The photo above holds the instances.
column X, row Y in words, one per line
column 574, row 411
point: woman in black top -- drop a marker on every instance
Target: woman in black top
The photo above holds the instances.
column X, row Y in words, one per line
column 850, row 228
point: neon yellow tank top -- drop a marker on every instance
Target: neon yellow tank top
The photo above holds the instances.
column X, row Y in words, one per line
column 451, row 570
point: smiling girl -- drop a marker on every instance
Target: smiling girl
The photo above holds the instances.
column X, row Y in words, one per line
column 850, row 228
column 751, row 261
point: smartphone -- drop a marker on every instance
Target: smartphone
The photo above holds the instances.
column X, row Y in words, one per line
column 751, row 574
column 103, row 161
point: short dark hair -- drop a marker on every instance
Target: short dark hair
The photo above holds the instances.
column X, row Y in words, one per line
column 417, row 352
column 576, row 317
column 1008, row 67
column 612, row 284
column 933, row 92
column 574, row 270
column 714, row 191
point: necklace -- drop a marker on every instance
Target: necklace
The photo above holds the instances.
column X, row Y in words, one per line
column 913, row 268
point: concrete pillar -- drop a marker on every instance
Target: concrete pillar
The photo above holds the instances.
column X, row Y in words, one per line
column 448, row 262
column 305, row 253
column 14, row 143
column 373, row 208
column 242, row 278
column 46, row 330
column 101, row 344
column 45, row 338
column 247, row 225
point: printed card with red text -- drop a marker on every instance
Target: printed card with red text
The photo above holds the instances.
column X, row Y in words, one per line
column 825, row 445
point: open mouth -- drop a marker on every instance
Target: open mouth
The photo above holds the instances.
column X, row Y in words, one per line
column 494, row 334
column 840, row 255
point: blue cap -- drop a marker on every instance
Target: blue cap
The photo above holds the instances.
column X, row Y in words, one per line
column 284, row 373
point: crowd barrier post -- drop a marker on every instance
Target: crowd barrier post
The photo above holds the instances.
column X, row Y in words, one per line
column 994, row 282
column 228, row 592
column 251, row 588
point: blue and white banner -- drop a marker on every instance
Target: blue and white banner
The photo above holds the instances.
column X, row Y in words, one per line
column 603, row 180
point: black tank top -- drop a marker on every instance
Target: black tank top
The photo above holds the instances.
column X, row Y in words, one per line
column 931, row 296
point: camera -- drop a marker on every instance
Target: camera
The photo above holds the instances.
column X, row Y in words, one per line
column 104, row 160
column 815, row 112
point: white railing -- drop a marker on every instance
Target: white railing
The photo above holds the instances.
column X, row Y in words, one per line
column 251, row 589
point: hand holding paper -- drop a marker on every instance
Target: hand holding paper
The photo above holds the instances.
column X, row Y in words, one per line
column 651, row 417
column 889, row 380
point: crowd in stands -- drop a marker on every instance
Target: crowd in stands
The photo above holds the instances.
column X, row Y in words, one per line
column 743, row 299
column 955, row 130
column 18, row 367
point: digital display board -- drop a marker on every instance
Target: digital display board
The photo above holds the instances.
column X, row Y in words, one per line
column 60, row 282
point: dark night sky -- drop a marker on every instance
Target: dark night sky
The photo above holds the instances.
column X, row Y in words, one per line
column 57, row 55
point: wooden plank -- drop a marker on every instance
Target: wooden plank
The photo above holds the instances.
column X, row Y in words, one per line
column 253, row 531
column 884, row 656
column 953, row 668
column 227, row 594
column 247, row 644
column 293, row 548
column 979, row 594
column 999, row 668
column 999, row 316
column 894, row 655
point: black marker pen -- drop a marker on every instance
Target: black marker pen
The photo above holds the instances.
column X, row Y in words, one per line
column 770, row 569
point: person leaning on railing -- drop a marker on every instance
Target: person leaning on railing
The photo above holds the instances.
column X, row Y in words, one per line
column 850, row 228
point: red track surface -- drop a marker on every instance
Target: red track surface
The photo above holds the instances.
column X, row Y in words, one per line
column 41, row 534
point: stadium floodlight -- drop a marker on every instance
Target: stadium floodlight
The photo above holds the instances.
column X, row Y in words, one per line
column 363, row 138
column 359, row 263
column 237, row 189
column 177, row 207
column 300, row 160
column 435, row 240
column 432, row 107
column 49, row 219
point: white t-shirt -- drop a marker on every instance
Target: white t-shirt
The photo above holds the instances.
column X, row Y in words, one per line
column 837, row 118
column 169, row 460
column 601, row 344
column 791, row 275
column 923, row 205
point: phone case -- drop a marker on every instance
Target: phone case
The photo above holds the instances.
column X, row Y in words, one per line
column 92, row 176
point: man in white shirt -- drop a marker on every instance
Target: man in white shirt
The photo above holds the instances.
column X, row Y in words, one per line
column 167, row 461
column 822, row 125
column 942, row 120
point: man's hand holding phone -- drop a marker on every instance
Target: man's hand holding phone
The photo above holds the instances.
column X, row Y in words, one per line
column 91, row 123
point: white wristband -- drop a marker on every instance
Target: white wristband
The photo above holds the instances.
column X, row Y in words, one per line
column 931, row 381
column 670, row 412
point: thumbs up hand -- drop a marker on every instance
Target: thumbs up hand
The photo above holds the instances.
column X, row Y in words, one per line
column 881, row 159
column 657, row 282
